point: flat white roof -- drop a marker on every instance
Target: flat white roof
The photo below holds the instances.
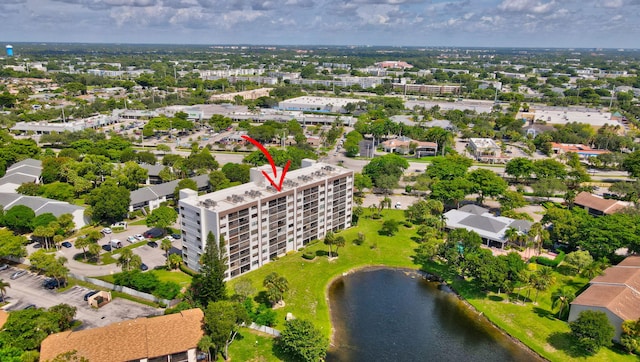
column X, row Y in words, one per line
column 252, row 191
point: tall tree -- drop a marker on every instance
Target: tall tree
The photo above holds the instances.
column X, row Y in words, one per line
column 210, row 286
column 302, row 341
column 486, row 183
column 109, row 202
column 162, row 217
column 222, row 320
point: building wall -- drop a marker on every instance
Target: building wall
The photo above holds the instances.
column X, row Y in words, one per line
column 260, row 229
column 615, row 321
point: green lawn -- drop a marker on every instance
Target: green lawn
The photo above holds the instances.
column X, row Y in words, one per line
column 309, row 279
column 532, row 323
column 163, row 275
column 251, row 346
column 177, row 276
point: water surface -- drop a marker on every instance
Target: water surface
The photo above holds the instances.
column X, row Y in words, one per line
column 392, row 315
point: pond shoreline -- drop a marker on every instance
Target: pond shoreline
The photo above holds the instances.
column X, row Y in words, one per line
column 425, row 276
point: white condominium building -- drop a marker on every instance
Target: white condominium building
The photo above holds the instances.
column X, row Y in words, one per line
column 260, row 223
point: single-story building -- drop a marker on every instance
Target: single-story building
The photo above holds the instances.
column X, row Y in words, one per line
column 598, row 206
column 25, row 171
column 172, row 337
column 491, row 228
column 616, row 293
column 41, row 205
column 153, row 173
column 402, row 145
column 154, row 195
column 583, row 151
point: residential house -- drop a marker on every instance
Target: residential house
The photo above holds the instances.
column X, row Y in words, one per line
column 491, row 228
column 168, row 338
column 403, row 145
column 583, row 151
column 597, row 205
column 616, row 293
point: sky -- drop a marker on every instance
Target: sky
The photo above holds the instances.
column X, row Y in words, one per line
column 467, row 23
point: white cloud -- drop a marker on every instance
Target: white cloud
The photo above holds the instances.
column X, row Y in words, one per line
column 527, row 6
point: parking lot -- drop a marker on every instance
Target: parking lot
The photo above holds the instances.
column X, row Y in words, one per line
column 152, row 257
column 28, row 289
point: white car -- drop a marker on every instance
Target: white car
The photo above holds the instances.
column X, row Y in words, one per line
column 132, row 239
column 139, row 237
column 106, row 231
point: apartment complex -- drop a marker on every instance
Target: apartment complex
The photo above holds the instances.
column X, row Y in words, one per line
column 260, row 223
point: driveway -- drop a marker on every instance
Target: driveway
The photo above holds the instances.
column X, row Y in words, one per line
column 28, row 290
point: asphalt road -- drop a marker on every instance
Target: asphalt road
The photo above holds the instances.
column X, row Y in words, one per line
column 28, row 290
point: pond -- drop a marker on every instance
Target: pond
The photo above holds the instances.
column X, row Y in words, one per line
column 395, row 315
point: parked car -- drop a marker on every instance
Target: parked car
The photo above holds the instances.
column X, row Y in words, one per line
column 120, row 224
column 17, row 274
column 106, row 247
column 30, row 306
column 106, row 231
column 132, row 239
column 53, row 283
column 152, row 244
column 139, row 237
column 66, row 244
column 144, row 267
column 115, row 243
column 154, row 233
column 176, row 236
column 4, row 267
column 90, row 294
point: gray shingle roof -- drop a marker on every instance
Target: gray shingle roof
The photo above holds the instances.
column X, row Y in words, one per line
column 17, row 178
column 484, row 223
column 39, row 205
column 474, row 209
column 27, row 162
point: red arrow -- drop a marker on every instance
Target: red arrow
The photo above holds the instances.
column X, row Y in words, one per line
column 278, row 186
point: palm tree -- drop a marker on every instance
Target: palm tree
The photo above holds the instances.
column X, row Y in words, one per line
column 329, row 239
column 174, row 261
column 125, row 259
column 166, row 246
column 562, row 297
column 339, row 242
column 276, row 287
column 3, row 288
column 543, row 280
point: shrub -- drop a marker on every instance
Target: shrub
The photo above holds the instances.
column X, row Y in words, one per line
column 187, row 270
column 309, row 255
column 167, row 290
column 548, row 262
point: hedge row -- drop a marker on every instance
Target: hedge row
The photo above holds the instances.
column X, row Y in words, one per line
column 549, row 262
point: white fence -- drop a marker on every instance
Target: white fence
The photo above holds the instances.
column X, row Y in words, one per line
column 265, row 329
column 126, row 290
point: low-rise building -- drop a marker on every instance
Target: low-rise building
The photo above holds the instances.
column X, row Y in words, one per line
column 598, row 206
column 41, row 205
column 616, row 293
column 491, row 228
column 486, row 150
column 403, row 146
column 583, row 151
column 151, row 197
column 172, row 337
column 25, row 171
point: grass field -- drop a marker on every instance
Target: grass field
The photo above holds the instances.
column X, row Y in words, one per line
column 532, row 323
column 176, row 276
column 308, row 280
